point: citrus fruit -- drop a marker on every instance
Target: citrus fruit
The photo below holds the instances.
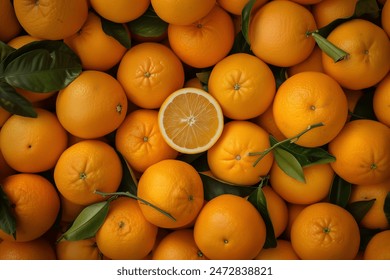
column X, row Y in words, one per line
column 86, row 167
column 229, row 158
column 175, row 187
column 243, row 85
column 325, row 231
column 282, row 251
column 125, row 233
column 190, row 120
column 326, row 11
column 37, row 249
column 84, row 249
column 385, row 18
column 236, row 7
column 266, row 120
column 149, row 72
column 229, row 227
column 121, row 11
column 378, row 248
column 9, row 24
column 381, row 101
column 140, row 141
column 312, row 63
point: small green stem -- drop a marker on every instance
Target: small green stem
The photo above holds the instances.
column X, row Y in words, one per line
column 291, row 140
column 325, row 45
column 116, row 194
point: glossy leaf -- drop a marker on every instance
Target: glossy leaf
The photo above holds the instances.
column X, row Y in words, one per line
column 42, row 66
column 149, row 25
column 118, row 31
column 214, row 187
column 7, row 219
column 204, row 76
column 240, row 45
column 198, row 161
column 129, row 181
column 245, row 19
column 15, row 103
column 386, row 207
column 359, row 209
column 257, row 198
column 364, row 107
column 4, row 51
column 280, row 74
column 87, row 222
column 289, row 164
column 340, row 192
column 365, row 236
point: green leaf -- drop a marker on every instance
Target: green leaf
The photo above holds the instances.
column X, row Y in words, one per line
column 364, row 107
column 257, row 198
column 367, row 8
column 245, row 19
column 129, row 181
column 340, row 192
column 4, row 51
column 214, row 187
column 204, row 76
column 198, row 161
column 7, row 219
column 359, row 209
column 149, row 25
column 87, row 222
column 240, row 45
column 365, row 236
column 305, row 156
column 41, row 66
column 117, row 31
column 386, row 207
column 280, row 74
column 289, row 164
column 329, row 48
column 15, row 103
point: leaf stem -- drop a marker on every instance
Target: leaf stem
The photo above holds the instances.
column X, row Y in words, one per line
column 137, row 198
column 291, row 140
column 325, row 45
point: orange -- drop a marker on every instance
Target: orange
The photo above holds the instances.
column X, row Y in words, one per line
column 93, row 105
column 378, row 248
column 325, row 231
column 312, row 63
column 37, row 249
column 318, row 180
column 4, row 116
column 353, row 97
column 140, row 142
column 368, row 48
column 381, row 101
column 243, row 85
column 9, row 24
column 33, row 144
column 175, row 187
column 278, row 33
column 267, row 121
column 375, row 218
column 204, row 42
column 125, row 233
column 229, row 227
column 87, row 166
column 229, row 158
column 306, row 2
column 69, row 210
column 309, row 98
column 277, row 210
column 178, row 245
column 282, row 251
column 193, row 82
column 96, row 49
column 21, row 40
column 182, row 12
column 35, row 205
column 327, row 11
column 5, row 169
column 236, row 7
column 84, row 249
column 51, row 20
column 385, row 17
column 149, row 72
column 190, row 120
column 293, row 211
column 121, row 11
column 362, row 152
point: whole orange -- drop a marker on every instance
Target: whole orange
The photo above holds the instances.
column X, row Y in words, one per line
column 381, row 100
column 84, row 249
column 327, row 11
column 9, row 24
column 378, row 248
column 37, row 249
column 120, row 11
column 282, row 251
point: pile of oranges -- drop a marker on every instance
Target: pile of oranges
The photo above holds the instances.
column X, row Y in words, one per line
column 196, row 103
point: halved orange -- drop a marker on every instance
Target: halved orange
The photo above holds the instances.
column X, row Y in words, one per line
column 190, row 120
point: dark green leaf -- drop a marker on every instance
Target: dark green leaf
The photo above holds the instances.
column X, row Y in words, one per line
column 117, row 31
column 305, row 156
column 87, row 222
column 340, row 192
column 149, row 25
column 240, row 45
column 15, row 103
column 386, row 207
column 368, row 8
column 4, row 51
column 364, row 106
column 198, row 161
column 41, row 66
column 289, row 164
column 129, row 181
column 7, row 219
column 204, row 76
column 280, row 74
column 214, row 187
column 365, row 236
column 258, row 200
column 245, row 19
column 359, row 209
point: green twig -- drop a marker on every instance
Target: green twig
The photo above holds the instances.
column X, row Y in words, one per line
column 137, row 198
column 291, row 140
